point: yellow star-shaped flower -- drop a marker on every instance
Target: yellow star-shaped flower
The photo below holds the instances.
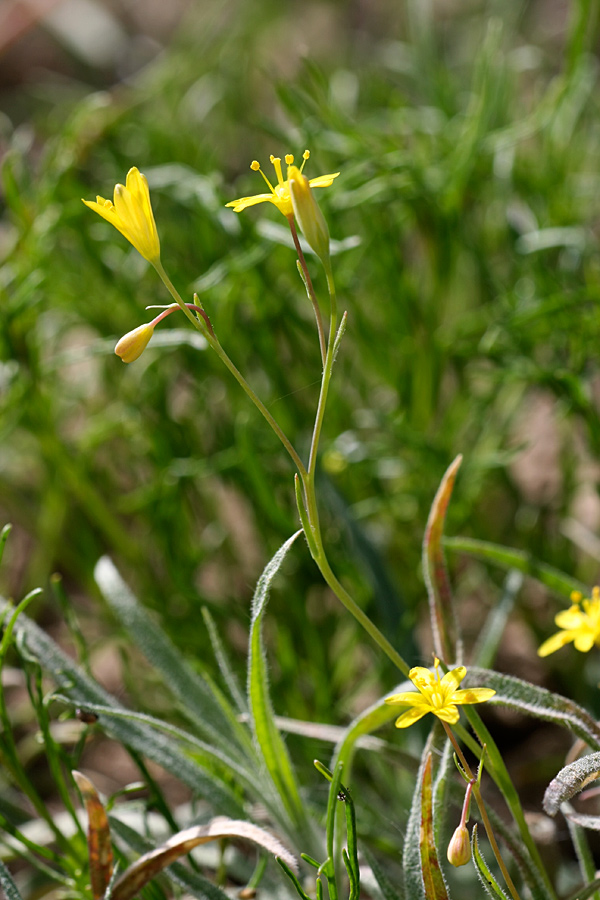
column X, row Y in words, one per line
column 280, row 194
column 439, row 696
column 131, row 214
column 580, row 624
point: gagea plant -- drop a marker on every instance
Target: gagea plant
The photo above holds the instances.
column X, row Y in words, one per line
column 231, row 754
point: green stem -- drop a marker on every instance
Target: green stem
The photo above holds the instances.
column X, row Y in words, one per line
column 312, row 511
column 485, row 818
column 361, row 617
column 205, row 329
column 309, row 288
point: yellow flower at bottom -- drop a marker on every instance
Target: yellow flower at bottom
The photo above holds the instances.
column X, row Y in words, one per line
column 580, row 624
column 439, row 696
column 280, row 195
column 131, row 214
column 132, row 345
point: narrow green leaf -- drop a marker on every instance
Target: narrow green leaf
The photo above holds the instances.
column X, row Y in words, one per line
column 7, row 884
column 223, row 662
column 538, row 702
column 267, row 736
column 487, row 879
column 435, row 886
column 199, row 750
column 84, row 691
column 444, row 624
column 192, row 691
column 508, row 558
column 294, row 879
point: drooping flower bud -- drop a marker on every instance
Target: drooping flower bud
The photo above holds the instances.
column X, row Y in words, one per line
column 132, row 345
column 308, row 214
column 459, row 848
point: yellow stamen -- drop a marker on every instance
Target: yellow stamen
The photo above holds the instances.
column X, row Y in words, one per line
column 576, row 596
column 289, row 159
column 255, row 165
column 276, row 160
column 305, row 156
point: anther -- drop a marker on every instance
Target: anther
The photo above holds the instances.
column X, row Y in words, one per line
column 255, row 165
column 289, row 159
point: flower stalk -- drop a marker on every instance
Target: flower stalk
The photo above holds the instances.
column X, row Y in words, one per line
column 483, row 811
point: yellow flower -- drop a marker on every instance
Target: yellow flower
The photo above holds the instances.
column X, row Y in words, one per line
column 580, row 624
column 439, row 696
column 280, row 195
column 132, row 345
column 131, row 213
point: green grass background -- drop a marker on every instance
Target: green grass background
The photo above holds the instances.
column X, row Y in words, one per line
column 467, row 140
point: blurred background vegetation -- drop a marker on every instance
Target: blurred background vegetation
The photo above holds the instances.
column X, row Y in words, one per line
column 466, row 213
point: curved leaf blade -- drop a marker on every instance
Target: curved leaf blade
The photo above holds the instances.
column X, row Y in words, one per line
column 487, row 879
column 570, row 781
column 444, row 624
column 538, row 702
column 262, row 716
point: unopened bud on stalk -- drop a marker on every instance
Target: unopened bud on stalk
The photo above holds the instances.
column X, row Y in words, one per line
column 307, row 212
column 132, row 345
column 459, row 848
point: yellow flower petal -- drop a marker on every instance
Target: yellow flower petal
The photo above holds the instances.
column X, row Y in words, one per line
column 408, row 698
column 448, row 713
column 473, row 695
column 244, row 202
column 554, row 643
column 454, row 677
column 322, row 180
column 410, row 717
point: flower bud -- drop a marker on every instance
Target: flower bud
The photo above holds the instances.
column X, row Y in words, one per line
column 307, row 212
column 132, row 345
column 459, row 848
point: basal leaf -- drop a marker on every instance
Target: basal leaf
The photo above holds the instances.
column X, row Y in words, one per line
column 193, row 883
column 7, row 884
column 84, row 691
column 99, row 842
column 435, row 886
column 414, row 885
column 570, row 781
column 152, row 863
column 444, row 624
column 537, row 701
column 267, row 735
column 192, row 691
